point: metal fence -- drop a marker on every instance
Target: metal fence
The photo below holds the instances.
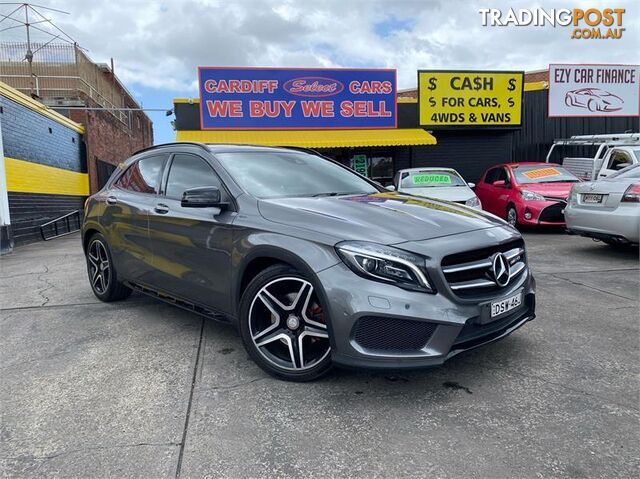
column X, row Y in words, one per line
column 59, row 72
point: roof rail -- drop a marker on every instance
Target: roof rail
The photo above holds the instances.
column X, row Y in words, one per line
column 153, row 147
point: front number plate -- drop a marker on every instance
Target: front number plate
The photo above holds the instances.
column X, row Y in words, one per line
column 505, row 305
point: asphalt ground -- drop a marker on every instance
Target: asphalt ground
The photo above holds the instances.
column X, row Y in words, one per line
column 143, row 389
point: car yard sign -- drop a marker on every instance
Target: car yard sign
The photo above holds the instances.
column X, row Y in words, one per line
column 470, row 99
column 594, row 90
column 302, row 99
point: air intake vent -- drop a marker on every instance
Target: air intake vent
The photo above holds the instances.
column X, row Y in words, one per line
column 388, row 334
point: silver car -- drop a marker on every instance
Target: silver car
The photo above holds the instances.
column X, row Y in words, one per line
column 607, row 209
column 440, row 183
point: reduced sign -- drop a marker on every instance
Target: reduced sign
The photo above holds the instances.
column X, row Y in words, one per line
column 470, row 99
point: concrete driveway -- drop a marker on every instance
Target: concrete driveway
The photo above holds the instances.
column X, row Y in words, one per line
column 143, row 389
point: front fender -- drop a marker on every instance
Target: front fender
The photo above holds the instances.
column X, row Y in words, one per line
column 306, row 256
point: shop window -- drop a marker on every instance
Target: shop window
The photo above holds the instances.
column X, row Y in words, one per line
column 381, row 167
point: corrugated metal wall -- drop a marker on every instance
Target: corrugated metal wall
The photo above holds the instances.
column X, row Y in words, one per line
column 468, row 151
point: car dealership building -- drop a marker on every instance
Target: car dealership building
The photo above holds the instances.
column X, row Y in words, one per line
column 406, row 141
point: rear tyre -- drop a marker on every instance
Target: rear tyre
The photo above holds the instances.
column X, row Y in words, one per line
column 512, row 216
column 592, row 105
column 283, row 325
column 102, row 274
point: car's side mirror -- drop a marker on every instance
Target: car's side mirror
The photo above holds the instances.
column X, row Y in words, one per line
column 500, row 183
column 471, row 185
column 390, row 188
column 202, row 197
column 621, row 166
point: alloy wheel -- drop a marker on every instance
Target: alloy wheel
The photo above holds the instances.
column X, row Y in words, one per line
column 287, row 324
column 512, row 217
column 99, row 267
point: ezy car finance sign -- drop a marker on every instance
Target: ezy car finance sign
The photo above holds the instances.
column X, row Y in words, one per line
column 594, row 90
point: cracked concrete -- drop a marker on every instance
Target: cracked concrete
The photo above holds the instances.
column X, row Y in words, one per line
column 143, row 389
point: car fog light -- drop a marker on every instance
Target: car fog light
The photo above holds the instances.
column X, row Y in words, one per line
column 527, row 215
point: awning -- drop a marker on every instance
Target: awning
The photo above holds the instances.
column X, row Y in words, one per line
column 311, row 138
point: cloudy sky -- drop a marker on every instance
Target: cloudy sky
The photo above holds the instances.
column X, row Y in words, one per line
column 157, row 45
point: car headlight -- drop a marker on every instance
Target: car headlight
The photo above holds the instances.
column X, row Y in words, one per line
column 473, row 202
column 385, row 264
column 531, row 196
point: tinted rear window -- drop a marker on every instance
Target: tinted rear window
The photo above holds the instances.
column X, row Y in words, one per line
column 143, row 176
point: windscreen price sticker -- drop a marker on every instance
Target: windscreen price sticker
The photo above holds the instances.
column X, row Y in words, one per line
column 453, row 99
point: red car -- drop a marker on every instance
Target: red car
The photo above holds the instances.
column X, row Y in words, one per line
column 527, row 193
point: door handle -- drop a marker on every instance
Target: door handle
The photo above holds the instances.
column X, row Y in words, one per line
column 112, row 200
column 161, row 209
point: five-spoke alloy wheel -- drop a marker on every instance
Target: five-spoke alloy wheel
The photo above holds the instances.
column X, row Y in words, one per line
column 102, row 274
column 99, row 267
column 284, row 326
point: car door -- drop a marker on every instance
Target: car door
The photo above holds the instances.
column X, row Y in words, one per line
column 503, row 193
column 125, row 217
column 191, row 246
column 485, row 190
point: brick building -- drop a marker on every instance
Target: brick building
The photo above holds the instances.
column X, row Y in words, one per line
column 65, row 79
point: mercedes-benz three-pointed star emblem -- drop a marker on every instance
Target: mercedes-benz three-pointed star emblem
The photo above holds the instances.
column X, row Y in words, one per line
column 500, row 269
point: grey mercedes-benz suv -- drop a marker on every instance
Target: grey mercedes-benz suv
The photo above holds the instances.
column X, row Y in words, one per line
column 313, row 263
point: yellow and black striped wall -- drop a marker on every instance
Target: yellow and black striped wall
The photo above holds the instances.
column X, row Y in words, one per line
column 45, row 164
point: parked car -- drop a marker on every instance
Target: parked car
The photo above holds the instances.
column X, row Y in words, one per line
column 607, row 209
column 527, row 194
column 439, row 183
column 316, row 266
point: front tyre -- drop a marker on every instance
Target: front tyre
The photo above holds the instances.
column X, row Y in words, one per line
column 102, row 274
column 512, row 216
column 283, row 325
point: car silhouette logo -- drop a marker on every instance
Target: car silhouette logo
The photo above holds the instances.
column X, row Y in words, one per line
column 593, row 99
column 500, row 269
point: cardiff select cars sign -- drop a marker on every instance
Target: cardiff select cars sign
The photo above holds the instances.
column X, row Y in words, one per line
column 594, row 90
column 295, row 98
column 470, row 99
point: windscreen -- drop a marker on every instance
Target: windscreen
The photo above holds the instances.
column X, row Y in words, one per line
column 289, row 174
column 543, row 174
column 431, row 178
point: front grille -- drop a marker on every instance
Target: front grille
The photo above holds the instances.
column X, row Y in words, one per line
column 553, row 213
column 388, row 334
column 470, row 275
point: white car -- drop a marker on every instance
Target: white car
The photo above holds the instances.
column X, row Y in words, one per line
column 439, row 183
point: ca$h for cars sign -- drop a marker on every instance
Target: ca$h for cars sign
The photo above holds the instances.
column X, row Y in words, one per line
column 292, row 98
column 470, row 99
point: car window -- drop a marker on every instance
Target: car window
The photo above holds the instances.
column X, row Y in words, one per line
column 276, row 174
column 546, row 173
column 432, row 178
column 489, row 178
column 501, row 175
column 189, row 171
column 143, row 176
column 618, row 157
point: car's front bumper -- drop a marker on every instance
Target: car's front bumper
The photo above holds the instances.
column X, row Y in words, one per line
column 541, row 213
column 453, row 324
